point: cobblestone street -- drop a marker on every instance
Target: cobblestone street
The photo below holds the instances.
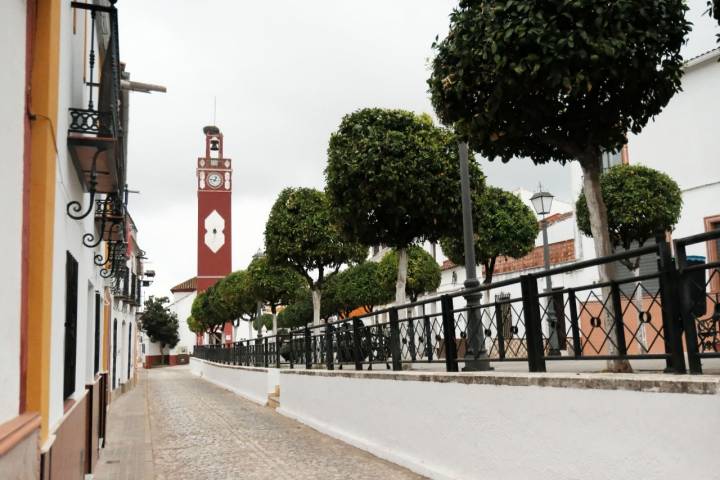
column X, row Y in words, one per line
column 173, row 425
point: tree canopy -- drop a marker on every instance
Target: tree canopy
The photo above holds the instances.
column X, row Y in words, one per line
column 504, row 226
column 423, row 272
column 264, row 320
column 640, row 201
column 272, row 284
column 392, row 177
column 357, row 286
column 301, row 234
column 235, row 297
column 557, row 80
column 297, row 314
column 205, row 316
column 159, row 323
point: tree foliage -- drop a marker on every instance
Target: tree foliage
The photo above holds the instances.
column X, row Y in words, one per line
column 640, row 201
column 556, row 80
column 392, row 177
column 355, row 287
column 159, row 323
column 264, row 320
column 234, row 297
column 423, row 272
column 205, row 317
column 504, row 226
column 297, row 314
column 301, row 234
column 272, row 284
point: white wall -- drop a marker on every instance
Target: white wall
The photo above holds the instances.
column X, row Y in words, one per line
column 459, row 431
column 12, row 99
column 683, row 142
column 248, row 382
column 68, row 232
column 182, row 306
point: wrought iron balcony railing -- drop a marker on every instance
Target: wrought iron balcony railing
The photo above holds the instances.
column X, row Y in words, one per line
column 95, row 132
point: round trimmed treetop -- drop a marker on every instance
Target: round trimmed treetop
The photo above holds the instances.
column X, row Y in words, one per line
column 640, row 201
column 393, row 178
column 557, row 80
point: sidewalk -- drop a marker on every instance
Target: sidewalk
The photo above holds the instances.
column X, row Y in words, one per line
column 176, row 426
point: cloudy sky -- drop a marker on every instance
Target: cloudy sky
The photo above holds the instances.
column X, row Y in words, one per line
column 284, row 73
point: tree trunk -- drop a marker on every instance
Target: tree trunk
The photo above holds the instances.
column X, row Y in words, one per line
column 591, row 165
column 401, row 281
column 316, row 297
column 273, row 309
column 162, row 354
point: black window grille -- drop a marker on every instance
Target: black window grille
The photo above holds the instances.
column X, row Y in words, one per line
column 71, row 303
column 114, row 355
column 98, row 302
column 129, row 357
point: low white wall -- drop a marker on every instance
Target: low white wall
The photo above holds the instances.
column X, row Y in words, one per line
column 248, row 382
column 465, row 431
column 503, row 425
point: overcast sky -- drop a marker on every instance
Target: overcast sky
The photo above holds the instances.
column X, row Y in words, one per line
column 284, row 73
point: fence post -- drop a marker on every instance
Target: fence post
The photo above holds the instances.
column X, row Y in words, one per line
column 278, row 346
column 577, row 345
column 448, row 319
column 265, row 352
column 308, row 358
column 428, row 338
column 686, row 311
column 357, row 343
column 669, row 293
column 499, row 320
column 618, row 323
column 395, row 339
column 329, row 360
column 533, row 324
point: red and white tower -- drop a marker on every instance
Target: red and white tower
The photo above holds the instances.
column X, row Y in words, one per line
column 214, row 177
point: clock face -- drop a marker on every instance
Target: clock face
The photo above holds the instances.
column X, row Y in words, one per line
column 214, row 180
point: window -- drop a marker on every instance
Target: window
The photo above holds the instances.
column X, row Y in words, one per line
column 611, row 159
column 96, row 364
column 71, row 303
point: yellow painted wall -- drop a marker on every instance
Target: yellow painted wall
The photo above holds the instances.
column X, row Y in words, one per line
column 44, row 105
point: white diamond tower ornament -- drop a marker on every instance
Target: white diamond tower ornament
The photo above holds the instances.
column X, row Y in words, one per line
column 214, row 231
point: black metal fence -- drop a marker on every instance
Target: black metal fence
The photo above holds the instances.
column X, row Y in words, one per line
column 621, row 319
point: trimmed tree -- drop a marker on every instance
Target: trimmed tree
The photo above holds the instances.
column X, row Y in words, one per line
column 504, row 227
column 273, row 284
column 553, row 81
column 265, row 320
column 160, row 324
column 423, row 273
column 360, row 286
column 640, row 202
column 233, row 297
column 301, row 234
column 205, row 318
column 393, row 179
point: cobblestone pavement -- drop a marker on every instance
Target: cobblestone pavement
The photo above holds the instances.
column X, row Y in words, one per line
column 201, row 431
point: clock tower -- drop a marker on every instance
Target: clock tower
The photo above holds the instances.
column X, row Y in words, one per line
column 214, row 176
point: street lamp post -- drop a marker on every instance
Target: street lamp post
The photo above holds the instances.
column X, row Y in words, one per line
column 542, row 202
column 476, row 358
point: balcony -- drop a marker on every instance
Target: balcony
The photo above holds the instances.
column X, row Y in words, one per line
column 95, row 133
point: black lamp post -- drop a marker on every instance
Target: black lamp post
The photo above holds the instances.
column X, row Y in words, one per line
column 476, row 358
column 542, row 203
